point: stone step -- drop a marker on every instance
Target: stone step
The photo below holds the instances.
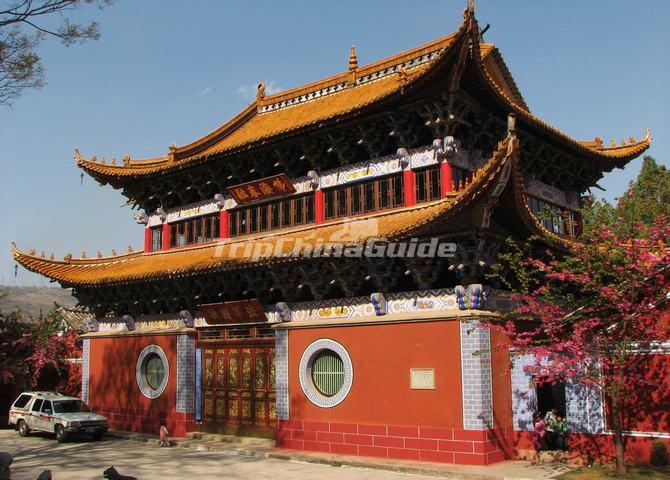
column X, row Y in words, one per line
column 234, row 439
column 219, row 446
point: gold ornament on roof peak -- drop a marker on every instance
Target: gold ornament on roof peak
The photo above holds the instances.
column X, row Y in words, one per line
column 598, row 141
column 68, row 257
column 113, row 253
column 632, row 139
column 52, row 256
column 126, row 160
column 613, row 143
column 42, row 254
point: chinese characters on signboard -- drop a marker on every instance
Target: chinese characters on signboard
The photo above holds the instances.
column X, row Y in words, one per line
column 262, row 189
column 241, row 311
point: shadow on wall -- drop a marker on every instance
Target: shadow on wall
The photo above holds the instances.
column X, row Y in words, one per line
column 113, row 389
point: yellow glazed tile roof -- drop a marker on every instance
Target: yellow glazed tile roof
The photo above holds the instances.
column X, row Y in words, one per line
column 309, row 106
column 232, row 254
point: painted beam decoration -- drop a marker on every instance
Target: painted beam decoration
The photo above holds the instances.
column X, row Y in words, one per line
column 241, row 311
column 262, row 189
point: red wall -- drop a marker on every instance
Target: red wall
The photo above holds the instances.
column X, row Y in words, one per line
column 382, row 416
column 113, row 389
column 382, row 356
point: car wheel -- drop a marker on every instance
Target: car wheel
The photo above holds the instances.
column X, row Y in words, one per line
column 23, row 428
column 61, row 436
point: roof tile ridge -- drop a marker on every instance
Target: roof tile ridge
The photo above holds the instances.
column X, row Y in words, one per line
column 534, row 118
column 509, row 78
column 20, row 255
column 598, row 145
column 341, row 77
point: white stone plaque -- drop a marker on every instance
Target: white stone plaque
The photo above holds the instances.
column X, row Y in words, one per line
column 422, row 378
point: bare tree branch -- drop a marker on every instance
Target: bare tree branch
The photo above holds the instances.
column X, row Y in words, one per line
column 21, row 33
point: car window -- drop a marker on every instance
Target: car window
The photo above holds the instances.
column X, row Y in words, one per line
column 46, row 407
column 70, row 406
column 37, row 405
column 22, row 401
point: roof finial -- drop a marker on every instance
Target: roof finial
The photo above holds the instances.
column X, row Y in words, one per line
column 260, row 91
column 471, row 7
column 353, row 59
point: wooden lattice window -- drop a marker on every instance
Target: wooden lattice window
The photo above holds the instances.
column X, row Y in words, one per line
column 154, row 370
column 363, row 197
column 427, row 184
column 328, row 373
column 197, row 230
column 555, row 218
column 273, row 215
column 156, row 238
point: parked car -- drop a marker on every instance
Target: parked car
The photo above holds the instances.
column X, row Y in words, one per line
column 55, row 413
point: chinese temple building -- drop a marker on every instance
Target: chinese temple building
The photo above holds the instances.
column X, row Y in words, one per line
column 314, row 269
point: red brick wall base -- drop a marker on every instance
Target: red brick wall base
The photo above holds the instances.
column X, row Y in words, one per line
column 593, row 447
column 178, row 424
column 428, row 444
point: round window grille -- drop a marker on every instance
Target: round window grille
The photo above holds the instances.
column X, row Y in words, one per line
column 326, row 373
column 152, row 371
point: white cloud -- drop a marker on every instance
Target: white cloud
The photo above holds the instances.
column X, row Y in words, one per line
column 205, row 90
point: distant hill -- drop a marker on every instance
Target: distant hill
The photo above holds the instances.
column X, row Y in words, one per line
column 30, row 300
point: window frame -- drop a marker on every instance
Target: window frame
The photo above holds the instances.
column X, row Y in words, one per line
column 285, row 212
column 363, row 197
column 427, row 184
column 193, row 231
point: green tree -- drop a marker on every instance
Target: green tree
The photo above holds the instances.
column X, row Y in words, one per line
column 646, row 199
column 21, row 31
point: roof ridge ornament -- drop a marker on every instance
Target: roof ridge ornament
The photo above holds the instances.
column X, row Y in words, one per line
column 260, row 91
column 353, row 65
column 511, row 126
column 353, row 58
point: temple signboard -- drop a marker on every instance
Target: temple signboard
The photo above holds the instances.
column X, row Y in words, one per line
column 241, row 311
column 269, row 187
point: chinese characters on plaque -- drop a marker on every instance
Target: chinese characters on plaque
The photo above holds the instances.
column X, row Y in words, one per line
column 262, row 189
column 422, row 378
column 241, row 311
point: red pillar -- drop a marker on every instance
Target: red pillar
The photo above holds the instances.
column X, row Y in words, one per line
column 446, row 178
column 318, row 206
column 166, row 236
column 408, row 187
column 223, row 224
column 147, row 239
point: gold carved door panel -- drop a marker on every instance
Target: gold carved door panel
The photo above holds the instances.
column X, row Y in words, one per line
column 239, row 385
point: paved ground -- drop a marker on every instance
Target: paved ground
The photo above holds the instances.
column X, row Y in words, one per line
column 78, row 460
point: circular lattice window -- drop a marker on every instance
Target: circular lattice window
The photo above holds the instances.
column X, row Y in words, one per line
column 152, row 371
column 326, row 373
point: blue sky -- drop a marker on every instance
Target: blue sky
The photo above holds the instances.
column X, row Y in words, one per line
column 169, row 71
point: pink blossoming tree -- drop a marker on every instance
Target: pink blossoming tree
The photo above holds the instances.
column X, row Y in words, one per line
column 585, row 312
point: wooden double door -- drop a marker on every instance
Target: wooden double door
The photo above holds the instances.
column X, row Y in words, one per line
column 238, row 386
